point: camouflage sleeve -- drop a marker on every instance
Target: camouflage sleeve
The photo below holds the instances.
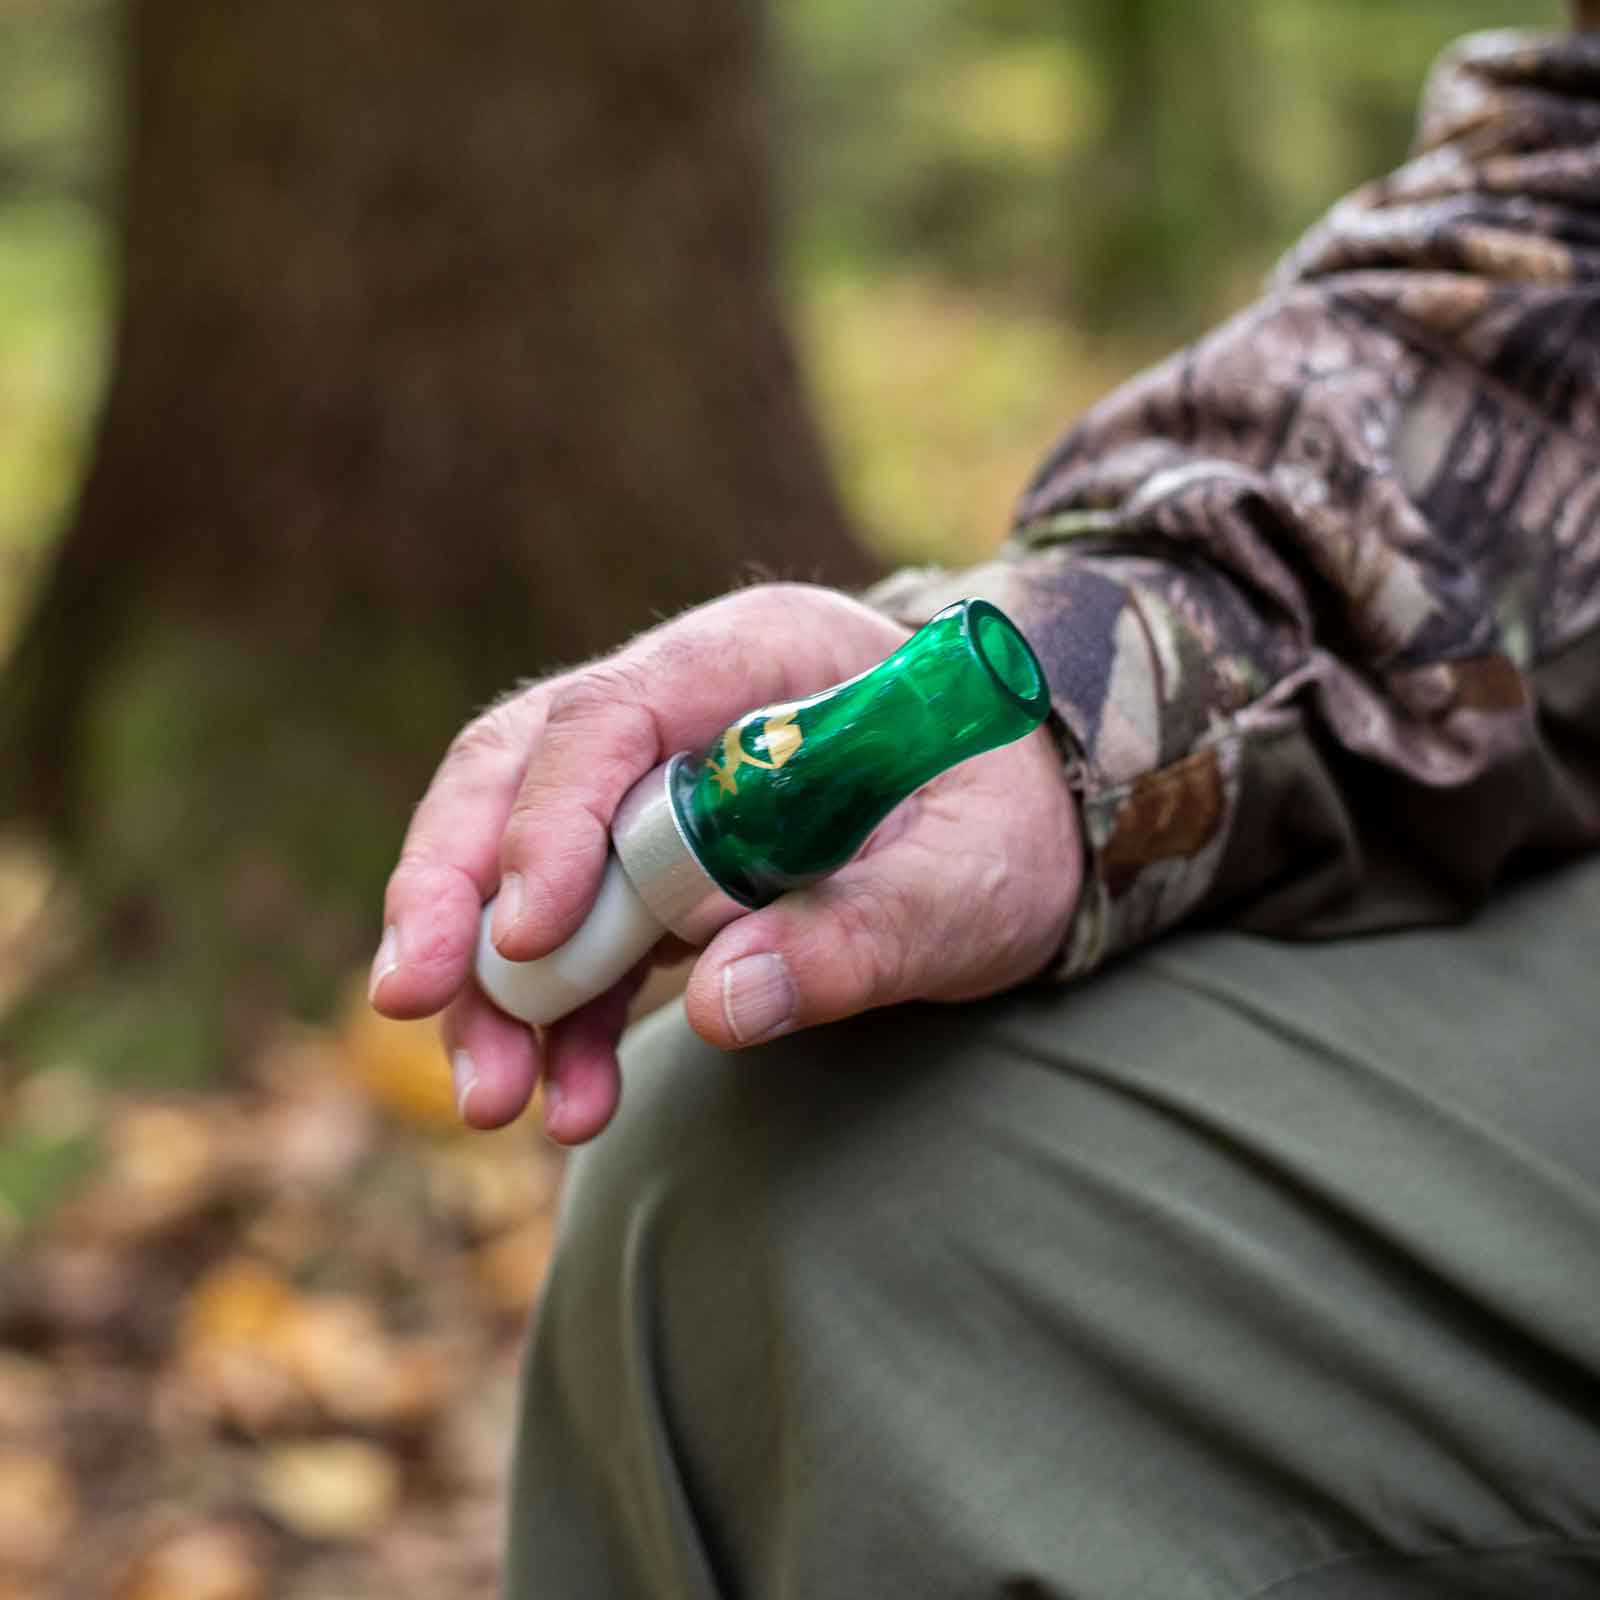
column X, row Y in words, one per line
column 1320, row 598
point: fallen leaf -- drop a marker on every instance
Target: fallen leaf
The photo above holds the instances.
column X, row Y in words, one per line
column 214, row 1562
column 355, row 1371
column 401, row 1065
column 510, row 1269
column 83, row 1289
column 285, row 1233
column 242, row 1387
column 490, row 1182
column 315, row 1127
column 240, row 1302
column 231, row 1347
column 160, row 1166
column 38, row 1506
column 312, row 1142
column 257, row 1349
column 29, row 1395
column 55, row 1105
column 329, row 1488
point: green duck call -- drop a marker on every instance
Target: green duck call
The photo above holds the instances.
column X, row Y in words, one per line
column 785, row 796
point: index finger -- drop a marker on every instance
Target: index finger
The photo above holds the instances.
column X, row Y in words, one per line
column 449, row 863
column 672, row 689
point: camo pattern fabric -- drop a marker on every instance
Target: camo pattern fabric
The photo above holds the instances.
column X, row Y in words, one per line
column 1319, row 598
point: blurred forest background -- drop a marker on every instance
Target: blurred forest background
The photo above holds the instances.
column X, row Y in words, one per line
column 355, row 361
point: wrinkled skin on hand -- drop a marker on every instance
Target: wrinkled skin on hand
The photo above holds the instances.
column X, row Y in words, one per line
column 965, row 890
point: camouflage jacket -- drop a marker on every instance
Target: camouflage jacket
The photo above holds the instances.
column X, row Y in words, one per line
column 1319, row 598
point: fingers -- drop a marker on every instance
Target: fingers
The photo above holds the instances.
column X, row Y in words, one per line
column 583, row 1082
column 449, row 863
column 600, row 736
column 521, row 809
column 494, row 1061
column 673, row 689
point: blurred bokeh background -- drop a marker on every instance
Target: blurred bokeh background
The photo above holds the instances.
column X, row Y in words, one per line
column 354, row 362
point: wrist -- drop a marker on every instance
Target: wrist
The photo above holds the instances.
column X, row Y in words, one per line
column 1055, row 838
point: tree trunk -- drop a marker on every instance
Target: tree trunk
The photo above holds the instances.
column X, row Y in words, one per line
column 450, row 350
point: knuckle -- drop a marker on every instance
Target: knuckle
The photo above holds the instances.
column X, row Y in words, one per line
column 600, row 734
column 424, row 876
column 610, row 686
column 409, row 876
column 498, row 731
column 480, row 737
column 692, row 654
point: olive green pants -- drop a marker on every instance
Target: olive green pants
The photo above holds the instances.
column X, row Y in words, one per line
column 1246, row 1270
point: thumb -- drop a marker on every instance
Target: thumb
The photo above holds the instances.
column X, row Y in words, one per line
column 966, row 889
column 848, row 945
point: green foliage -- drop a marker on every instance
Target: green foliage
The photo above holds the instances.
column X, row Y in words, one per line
column 1131, row 158
column 55, row 104
column 939, row 401
column 35, row 1172
column 999, row 206
column 54, row 285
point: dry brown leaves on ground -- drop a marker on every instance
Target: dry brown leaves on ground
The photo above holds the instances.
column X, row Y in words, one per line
column 269, row 1348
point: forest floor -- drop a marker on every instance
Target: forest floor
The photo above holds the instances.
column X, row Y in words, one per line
column 265, row 1346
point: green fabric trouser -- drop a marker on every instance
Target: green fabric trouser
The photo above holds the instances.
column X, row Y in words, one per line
column 1246, row 1270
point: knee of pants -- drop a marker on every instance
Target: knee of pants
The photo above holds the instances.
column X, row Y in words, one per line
column 1206, row 1225
column 740, row 1183
column 762, row 1263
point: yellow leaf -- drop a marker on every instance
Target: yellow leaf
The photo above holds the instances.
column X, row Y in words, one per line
column 231, row 1352
column 329, row 1488
column 161, row 1168
column 239, row 1302
column 38, row 1507
column 401, row 1065
column 29, row 1395
column 338, row 1349
column 510, row 1270
column 490, row 1183
column 205, row 1563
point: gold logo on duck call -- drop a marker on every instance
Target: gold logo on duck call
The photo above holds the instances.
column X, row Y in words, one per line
column 783, row 737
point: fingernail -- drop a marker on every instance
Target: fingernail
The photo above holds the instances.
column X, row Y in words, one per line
column 386, row 960
column 757, row 997
column 507, row 906
column 464, row 1079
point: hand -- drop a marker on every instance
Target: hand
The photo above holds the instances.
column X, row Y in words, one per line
column 965, row 890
